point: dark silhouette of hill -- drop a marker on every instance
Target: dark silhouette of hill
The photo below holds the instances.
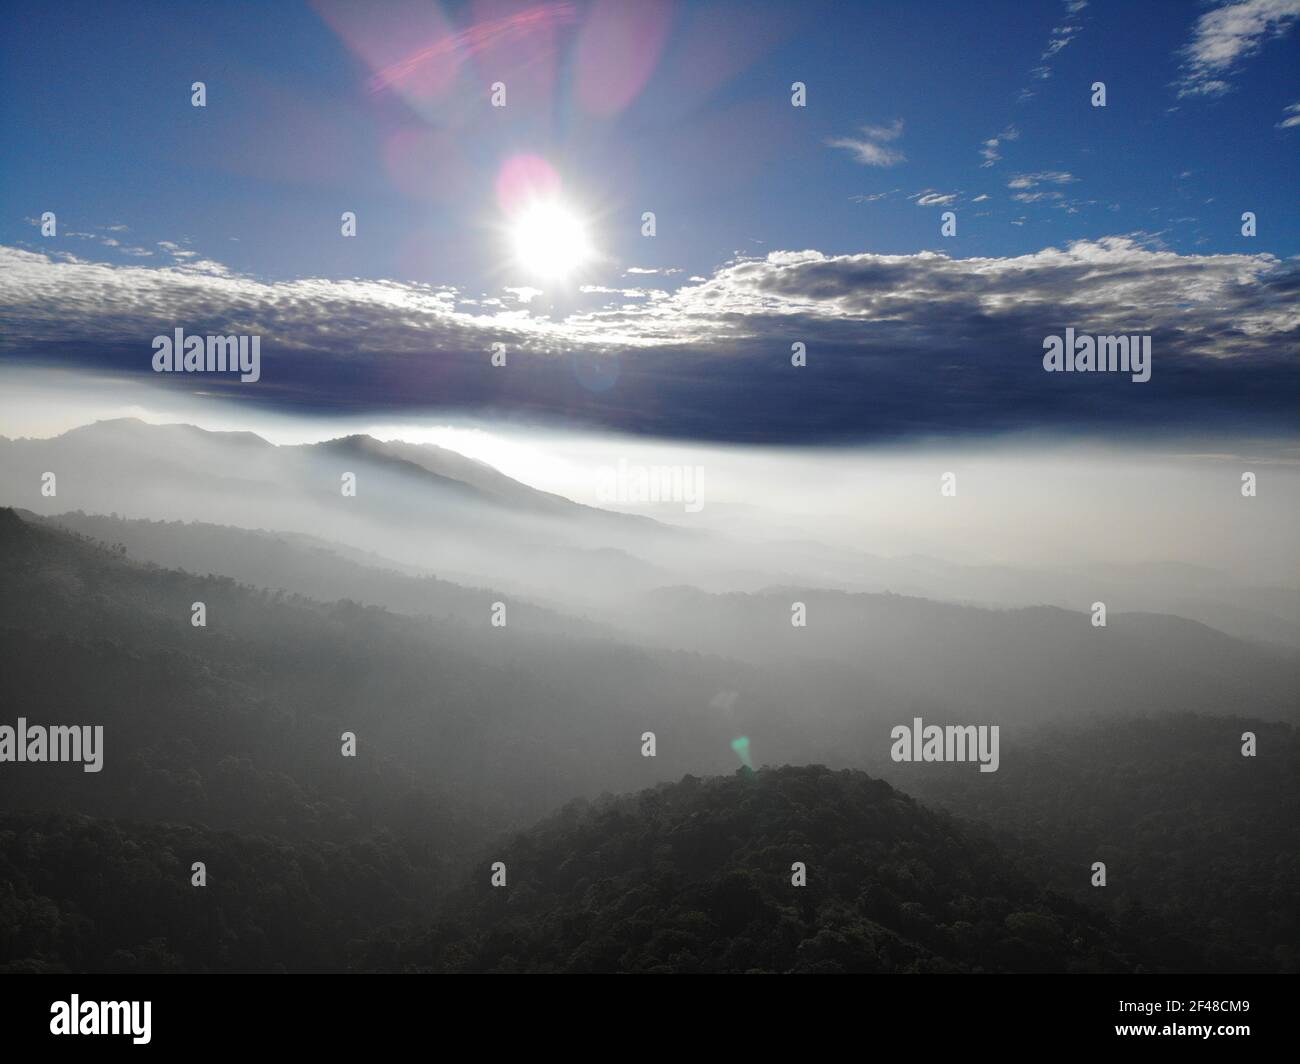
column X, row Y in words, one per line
column 90, row 894
column 517, row 719
column 229, row 736
column 1030, row 664
column 866, row 661
column 306, row 566
column 1189, row 829
column 696, row 877
column 510, row 720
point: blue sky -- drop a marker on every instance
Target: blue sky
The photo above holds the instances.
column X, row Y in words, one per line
column 681, row 109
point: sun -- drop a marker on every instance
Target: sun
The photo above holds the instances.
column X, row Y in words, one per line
column 550, row 240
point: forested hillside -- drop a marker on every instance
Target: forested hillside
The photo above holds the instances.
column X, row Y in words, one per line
column 1191, row 832
column 222, row 744
column 697, row 877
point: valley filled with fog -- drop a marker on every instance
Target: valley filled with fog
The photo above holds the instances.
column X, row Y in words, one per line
column 500, row 651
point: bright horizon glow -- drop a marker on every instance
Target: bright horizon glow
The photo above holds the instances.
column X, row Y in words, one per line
column 1019, row 503
column 550, row 241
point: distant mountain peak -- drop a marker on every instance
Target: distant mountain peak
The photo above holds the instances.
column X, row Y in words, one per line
column 134, row 426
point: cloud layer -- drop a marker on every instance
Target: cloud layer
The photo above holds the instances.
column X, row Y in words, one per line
column 897, row 345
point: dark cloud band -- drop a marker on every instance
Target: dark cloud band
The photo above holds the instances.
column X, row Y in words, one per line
column 898, row 346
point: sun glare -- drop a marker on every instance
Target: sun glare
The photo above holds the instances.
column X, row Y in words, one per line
column 550, row 240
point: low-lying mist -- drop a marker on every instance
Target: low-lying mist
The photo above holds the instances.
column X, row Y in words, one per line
column 587, row 522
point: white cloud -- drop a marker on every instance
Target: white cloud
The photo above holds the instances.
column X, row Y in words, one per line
column 176, row 251
column 525, row 294
column 50, row 299
column 868, row 150
column 890, row 132
column 1224, row 37
column 626, row 293
column 867, row 153
column 1292, row 117
column 1061, row 36
column 990, row 150
column 900, row 318
column 871, row 197
column 1050, row 177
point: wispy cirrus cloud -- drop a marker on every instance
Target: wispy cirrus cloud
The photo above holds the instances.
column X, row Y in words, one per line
column 1062, row 35
column 990, row 150
column 870, row 148
column 931, row 198
column 1226, row 36
column 1041, row 177
column 872, row 197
